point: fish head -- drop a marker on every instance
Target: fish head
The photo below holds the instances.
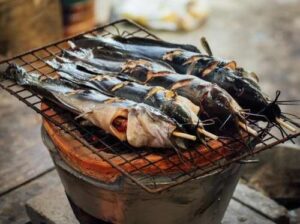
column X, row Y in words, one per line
column 248, row 83
column 16, row 73
column 245, row 93
column 21, row 76
column 248, row 96
column 271, row 112
column 182, row 113
column 217, row 104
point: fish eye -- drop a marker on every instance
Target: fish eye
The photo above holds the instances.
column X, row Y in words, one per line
column 228, row 78
column 238, row 84
column 239, row 87
column 241, row 91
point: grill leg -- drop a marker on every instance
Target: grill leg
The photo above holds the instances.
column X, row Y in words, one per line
column 83, row 217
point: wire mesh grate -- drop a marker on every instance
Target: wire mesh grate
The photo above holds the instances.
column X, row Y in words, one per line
column 134, row 163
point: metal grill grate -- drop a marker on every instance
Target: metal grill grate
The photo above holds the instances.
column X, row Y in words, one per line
column 212, row 159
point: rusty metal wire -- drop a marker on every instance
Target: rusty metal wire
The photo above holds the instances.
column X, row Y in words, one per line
column 98, row 142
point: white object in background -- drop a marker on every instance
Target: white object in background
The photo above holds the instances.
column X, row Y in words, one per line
column 103, row 11
column 163, row 14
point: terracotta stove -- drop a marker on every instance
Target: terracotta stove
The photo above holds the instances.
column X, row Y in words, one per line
column 104, row 198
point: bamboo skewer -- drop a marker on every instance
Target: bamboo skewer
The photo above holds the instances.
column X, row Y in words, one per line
column 207, row 134
column 282, row 123
column 248, row 129
column 184, row 135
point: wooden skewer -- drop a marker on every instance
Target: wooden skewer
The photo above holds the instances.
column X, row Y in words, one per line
column 285, row 125
column 207, row 134
column 71, row 44
column 184, row 135
column 248, row 129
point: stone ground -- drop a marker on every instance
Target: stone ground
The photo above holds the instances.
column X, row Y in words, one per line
column 262, row 36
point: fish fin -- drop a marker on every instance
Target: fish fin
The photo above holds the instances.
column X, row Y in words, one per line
column 97, row 78
column 157, row 42
column 153, row 91
column 83, row 114
column 113, row 100
column 118, row 86
column 55, row 76
column 181, row 83
column 82, row 53
column 191, row 68
column 43, row 78
column 76, row 91
column 254, row 76
column 231, row 65
column 170, row 55
column 106, row 42
column 209, row 69
column 151, row 75
column 54, row 64
column 63, row 60
column 206, row 46
column 192, row 59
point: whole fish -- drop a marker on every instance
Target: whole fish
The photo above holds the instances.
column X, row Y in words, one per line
column 167, row 101
column 222, row 73
column 162, row 46
column 137, row 123
column 213, row 101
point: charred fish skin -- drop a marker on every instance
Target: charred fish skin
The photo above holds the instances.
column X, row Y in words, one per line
column 212, row 100
column 155, row 42
column 244, row 91
column 204, row 67
column 164, row 100
column 145, row 127
column 140, row 49
column 88, row 56
column 175, row 55
column 247, row 95
column 131, row 43
column 250, row 76
column 207, row 68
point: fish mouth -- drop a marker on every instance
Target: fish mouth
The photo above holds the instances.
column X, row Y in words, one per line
column 271, row 111
column 118, row 124
column 227, row 113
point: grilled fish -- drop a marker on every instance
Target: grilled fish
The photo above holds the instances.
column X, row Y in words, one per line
column 138, row 124
column 174, row 106
column 187, row 61
column 212, row 100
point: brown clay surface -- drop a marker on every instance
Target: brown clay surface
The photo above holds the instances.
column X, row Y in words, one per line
column 84, row 160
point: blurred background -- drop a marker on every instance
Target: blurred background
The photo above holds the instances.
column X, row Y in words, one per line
column 261, row 36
